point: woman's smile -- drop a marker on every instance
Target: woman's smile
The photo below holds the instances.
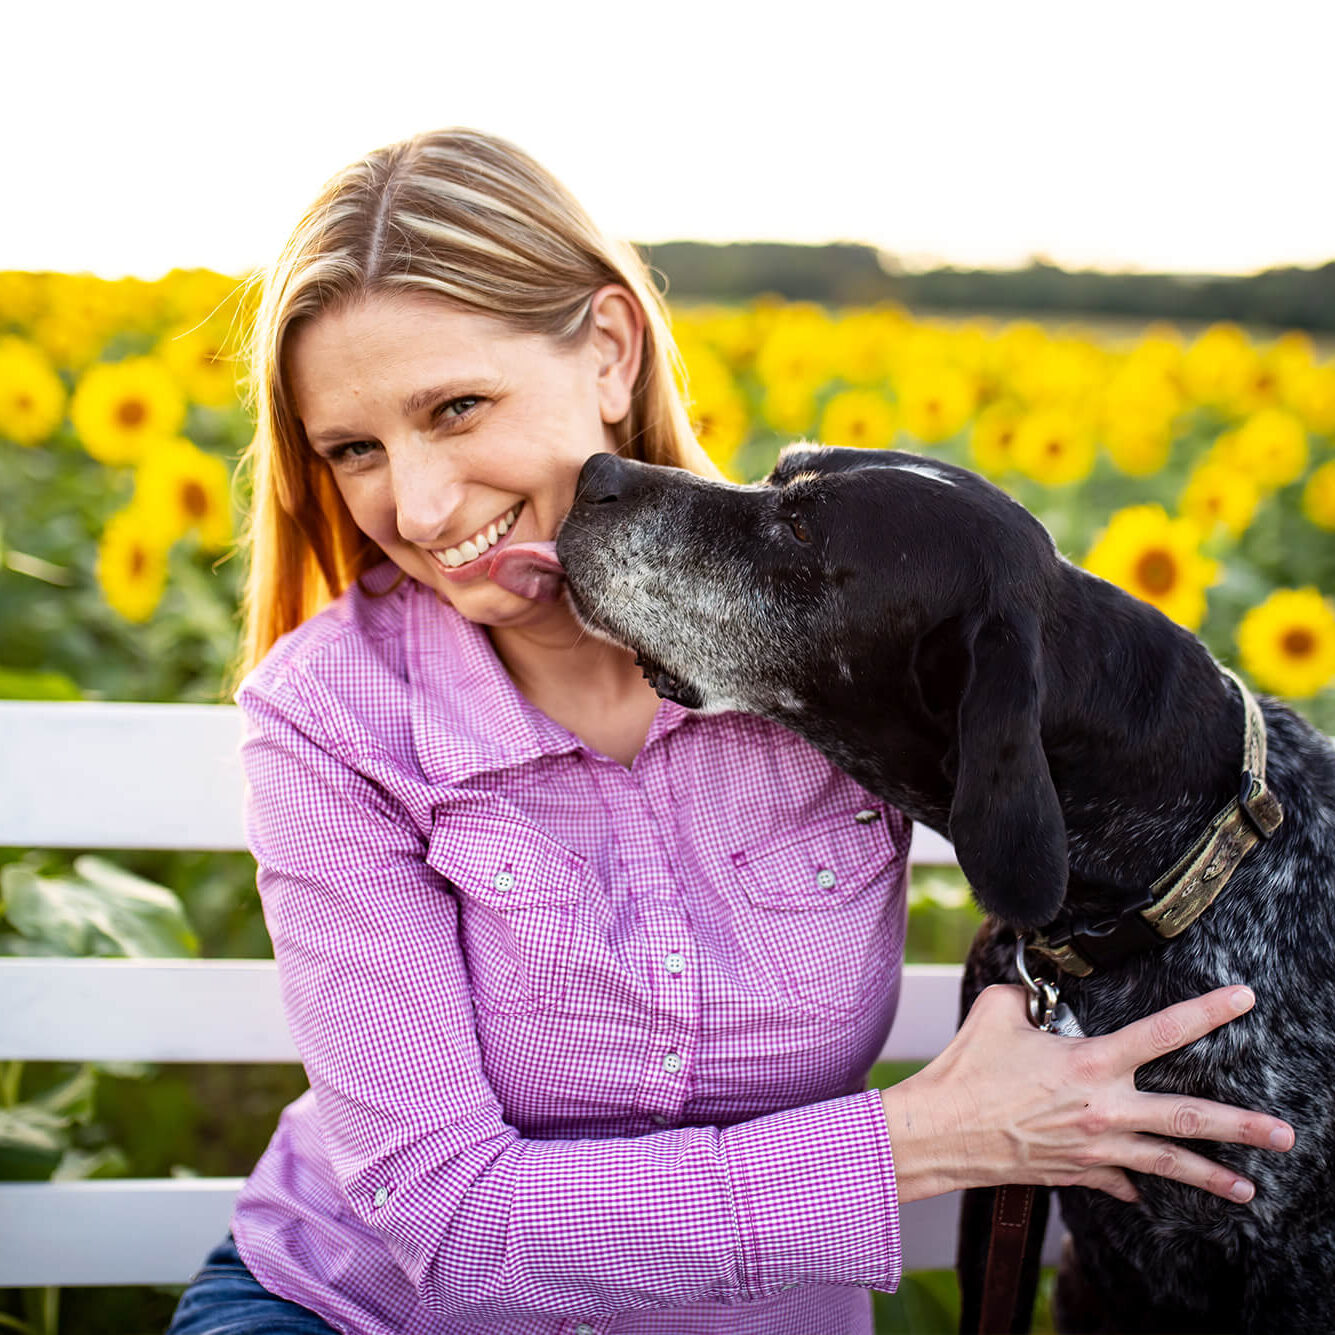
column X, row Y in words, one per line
column 472, row 558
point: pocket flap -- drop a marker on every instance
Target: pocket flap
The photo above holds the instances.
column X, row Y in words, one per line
column 504, row 860
column 818, row 867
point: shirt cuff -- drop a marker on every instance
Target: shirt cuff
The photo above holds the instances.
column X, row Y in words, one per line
column 816, row 1198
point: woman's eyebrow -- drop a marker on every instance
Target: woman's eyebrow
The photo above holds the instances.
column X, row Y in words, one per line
column 418, row 400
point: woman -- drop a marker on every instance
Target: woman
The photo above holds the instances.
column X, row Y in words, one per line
column 586, row 985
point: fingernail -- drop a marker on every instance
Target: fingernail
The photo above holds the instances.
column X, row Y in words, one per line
column 1241, row 1191
column 1281, row 1137
column 1241, row 998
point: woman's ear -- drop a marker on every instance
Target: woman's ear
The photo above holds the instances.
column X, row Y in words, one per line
column 617, row 325
column 1006, row 821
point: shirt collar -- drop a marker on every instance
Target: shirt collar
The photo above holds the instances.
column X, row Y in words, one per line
column 468, row 717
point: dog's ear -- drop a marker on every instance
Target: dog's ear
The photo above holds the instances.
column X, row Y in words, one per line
column 1006, row 821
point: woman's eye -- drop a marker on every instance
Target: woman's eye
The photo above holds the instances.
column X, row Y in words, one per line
column 467, row 400
column 351, row 449
column 799, row 528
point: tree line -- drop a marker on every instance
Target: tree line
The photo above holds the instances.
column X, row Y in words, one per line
column 847, row 274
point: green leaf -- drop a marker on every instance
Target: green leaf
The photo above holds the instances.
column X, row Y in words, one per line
column 79, row 1165
column 26, row 684
column 73, row 1099
column 32, row 1142
column 100, row 910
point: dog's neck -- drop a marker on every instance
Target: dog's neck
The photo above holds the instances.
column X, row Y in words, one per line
column 1132, row 793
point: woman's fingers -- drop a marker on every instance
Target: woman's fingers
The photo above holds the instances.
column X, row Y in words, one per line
column 1175, row 1026
column 1200, row 1119
column 1162, row 1158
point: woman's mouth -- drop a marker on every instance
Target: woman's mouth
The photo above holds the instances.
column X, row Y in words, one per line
column 530, row 569
column 472, row 559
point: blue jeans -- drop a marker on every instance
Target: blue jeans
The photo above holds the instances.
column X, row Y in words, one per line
column 224, row 1298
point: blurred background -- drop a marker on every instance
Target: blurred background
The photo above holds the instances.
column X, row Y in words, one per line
column 1086, row 250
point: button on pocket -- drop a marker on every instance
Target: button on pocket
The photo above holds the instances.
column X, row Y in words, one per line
column 519, row 892
column 823, row 910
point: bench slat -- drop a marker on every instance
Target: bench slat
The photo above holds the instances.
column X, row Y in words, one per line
column 158, row 1230
column 103, row 775
column 91, row 775
column 231, row 1011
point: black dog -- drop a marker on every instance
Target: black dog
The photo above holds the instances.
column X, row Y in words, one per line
column 920, row 628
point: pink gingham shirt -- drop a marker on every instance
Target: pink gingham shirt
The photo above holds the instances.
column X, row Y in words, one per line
column 587, row 1046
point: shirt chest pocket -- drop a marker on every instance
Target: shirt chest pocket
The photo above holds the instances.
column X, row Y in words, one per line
column 519, row 894
column 823, row 910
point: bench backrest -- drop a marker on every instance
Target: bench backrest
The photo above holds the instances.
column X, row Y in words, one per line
column 111, row 776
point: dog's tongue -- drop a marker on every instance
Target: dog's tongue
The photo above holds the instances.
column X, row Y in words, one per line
column 529, row 569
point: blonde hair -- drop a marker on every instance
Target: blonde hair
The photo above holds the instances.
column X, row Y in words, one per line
column 459, row 216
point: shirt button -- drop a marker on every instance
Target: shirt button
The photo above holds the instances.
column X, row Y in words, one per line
column 504, row 881
column 672, row 1063
column 825, row 878
column 583, row 1329
column 793, row 1285
column 675, row 963
column 382, row 1196
column 660, row 1119
column 867, row 816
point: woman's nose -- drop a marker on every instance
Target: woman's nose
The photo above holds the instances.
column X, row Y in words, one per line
column 427, row 497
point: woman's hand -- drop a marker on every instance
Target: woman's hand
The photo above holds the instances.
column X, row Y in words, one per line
column 1006, row 1102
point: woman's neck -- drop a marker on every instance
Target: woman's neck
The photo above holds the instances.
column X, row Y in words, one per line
column 589, row 686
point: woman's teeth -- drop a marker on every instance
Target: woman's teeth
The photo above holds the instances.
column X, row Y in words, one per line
column 480, row 542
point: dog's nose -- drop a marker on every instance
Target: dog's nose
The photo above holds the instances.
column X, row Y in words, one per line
column 603, row 479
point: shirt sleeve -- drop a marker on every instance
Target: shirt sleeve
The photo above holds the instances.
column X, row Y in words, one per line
column 482, row 1221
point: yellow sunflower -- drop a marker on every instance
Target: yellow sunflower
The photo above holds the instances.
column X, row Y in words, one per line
column 992, row 438
column 118, row 406
column 864, row 339
column 1054, row 446
column 1157, row 559
column 1318, row 501
column 1218, row 494
column 796, row 349
column 717, row 409
column 1312, row 397
column 202, row 362
column 32, row 397
column 1270, row 446
column 1138, row 446
column 1218, row 367
column 858, row 417
column 178, row 487
column 132, row 564
column 936, row 400
column 1287, row 643
column 789, row 408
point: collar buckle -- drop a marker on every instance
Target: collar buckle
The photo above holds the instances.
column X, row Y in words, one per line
column 1260, row 807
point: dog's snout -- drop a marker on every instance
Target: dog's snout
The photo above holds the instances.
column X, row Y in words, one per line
column 605, row 478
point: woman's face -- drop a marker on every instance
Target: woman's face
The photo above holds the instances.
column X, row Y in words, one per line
column 439, row 425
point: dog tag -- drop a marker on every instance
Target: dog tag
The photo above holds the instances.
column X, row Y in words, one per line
column 1064, row 1022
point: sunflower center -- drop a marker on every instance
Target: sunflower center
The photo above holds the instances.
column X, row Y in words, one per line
column 24, row 402
column 131, row 412
column 1298, row 642
column 194, row 499
column 1157, row 571
column 1054, row 447
column 138, row 560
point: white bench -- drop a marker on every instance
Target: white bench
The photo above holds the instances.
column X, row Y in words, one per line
column 168, row 776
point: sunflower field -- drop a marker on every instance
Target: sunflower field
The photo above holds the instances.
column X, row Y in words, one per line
column 1194, row 469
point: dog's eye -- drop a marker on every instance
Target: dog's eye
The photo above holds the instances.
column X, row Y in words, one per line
column 799, row 528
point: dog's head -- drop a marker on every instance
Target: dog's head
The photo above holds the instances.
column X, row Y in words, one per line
column 888, row 607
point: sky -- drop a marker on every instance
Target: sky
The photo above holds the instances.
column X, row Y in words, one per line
column 1166, row 136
